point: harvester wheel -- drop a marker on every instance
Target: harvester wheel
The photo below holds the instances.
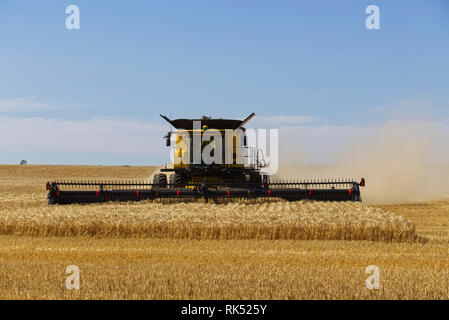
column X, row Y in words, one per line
column 160, row 180
column 171, row 181
column 178, row 180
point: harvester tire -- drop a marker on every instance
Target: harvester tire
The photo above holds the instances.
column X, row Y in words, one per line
column 178, row 180
column 160, row 180
column 171, row 181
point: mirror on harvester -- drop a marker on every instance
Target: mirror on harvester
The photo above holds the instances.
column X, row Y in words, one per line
column 167, row 138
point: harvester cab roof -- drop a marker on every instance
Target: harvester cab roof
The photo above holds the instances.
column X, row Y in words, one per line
column 210, row 123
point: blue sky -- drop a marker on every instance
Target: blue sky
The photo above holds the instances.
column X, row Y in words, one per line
column 313, row 61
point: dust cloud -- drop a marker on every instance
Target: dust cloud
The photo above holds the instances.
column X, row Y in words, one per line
column 402, row 162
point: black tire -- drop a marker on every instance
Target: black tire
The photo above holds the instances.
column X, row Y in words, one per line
column 178, row 180
column 163, row 181
column 160, row 180
column 156, row 179
column 171, row 181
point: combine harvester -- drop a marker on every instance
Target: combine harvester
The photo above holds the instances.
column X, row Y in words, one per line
column 238, row 175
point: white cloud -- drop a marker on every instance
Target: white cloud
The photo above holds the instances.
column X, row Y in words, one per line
column 30, row 103
column 94, row 136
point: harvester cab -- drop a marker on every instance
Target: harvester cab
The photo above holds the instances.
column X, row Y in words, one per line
column 211, row 150
column 211, row 160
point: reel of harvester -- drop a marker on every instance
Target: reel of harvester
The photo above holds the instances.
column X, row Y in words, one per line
column 71, row 192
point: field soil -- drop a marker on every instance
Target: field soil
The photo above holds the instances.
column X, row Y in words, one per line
column 235, row 251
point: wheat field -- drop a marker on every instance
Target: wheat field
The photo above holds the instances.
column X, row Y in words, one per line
column 273, row 220
column 213, row 251
column 25, row 212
